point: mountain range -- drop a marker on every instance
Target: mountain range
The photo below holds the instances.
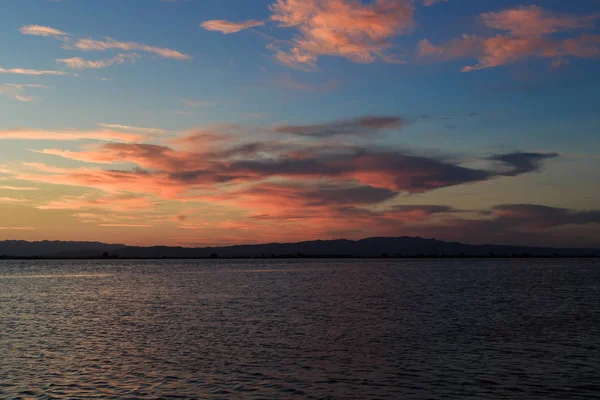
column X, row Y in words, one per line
column 369, row 247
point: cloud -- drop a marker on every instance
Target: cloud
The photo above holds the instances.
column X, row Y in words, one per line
column 17, row 91
column 17, row 188
column 185, row 171
column 535, row 21
column 38, row 30
column 528, row 30
column 311, row 182
column 117, row 203
column 12, row 200
column 126, row 225
column 107, row 43
column 344, row 28
column 202, row 165
column 31, row 134
column 533, row 217
column 522, row 163
column 501, row 50
column 363, row 126
column 230, row 27
column 429, row 3
column 111, row 44
column 80, row 63
column 322, row 194
column 137, row 129
column 25, row 71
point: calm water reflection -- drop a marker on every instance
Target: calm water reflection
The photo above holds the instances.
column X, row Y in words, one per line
column 370, row 329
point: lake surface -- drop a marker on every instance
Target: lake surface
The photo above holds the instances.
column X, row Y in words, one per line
column 315, row 329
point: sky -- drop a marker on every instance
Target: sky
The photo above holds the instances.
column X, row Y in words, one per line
column 217, row 122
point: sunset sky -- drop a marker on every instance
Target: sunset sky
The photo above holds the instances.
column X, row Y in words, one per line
column 214, row 122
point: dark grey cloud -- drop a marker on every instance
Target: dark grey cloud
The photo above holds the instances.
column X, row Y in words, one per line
column 521, row 163
column 363, row 126
column 538, row 216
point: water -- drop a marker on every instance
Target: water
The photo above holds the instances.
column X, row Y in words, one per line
column 316, row 329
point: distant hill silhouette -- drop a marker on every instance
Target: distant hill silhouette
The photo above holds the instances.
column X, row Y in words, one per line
column 370, row 247
column 22, row 248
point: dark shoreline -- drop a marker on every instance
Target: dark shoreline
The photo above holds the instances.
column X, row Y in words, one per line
column 322, row 257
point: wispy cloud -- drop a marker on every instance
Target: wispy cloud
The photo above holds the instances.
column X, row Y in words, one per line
column 12, row 200
column 17, row 91
column 26, row 71
column 39, row 30
column 17, row 188
column 137, row 129
column 81, row 63
column 429, row 3
column 111, row 44
column 31, row 134
column 230, row 27
column 125, row 225
column 363, row 126
column 107, row 43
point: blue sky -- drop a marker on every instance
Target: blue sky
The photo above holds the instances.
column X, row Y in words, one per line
column 242, row 69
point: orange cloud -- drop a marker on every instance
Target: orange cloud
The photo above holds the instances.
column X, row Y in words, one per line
column 343, row 28
column 171, row 172
column 528, row 29
column 228, row 26
column 500, row 50
column 105, row 135
column 535, row 21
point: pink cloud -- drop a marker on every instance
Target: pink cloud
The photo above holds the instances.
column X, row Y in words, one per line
column 429, row 3
column 535, row 21
column 228, row 26
column 343, row 28
column 528, row 37
column 104, row 135
column 172, row 172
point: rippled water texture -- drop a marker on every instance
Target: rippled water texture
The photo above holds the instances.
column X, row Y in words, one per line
column 359, row 329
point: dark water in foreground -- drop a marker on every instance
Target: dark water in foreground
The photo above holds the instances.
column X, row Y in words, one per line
column 370, row 329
